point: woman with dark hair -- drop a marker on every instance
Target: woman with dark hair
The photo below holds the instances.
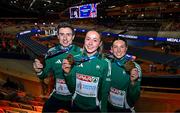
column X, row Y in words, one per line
column 125, row 79
column 88, row 79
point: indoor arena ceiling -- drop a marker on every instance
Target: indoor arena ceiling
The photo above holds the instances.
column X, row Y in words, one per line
column 12, row 8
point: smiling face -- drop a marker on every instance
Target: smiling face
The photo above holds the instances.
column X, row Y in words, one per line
column 119, row 48
column 65, row 36
column 92, row 42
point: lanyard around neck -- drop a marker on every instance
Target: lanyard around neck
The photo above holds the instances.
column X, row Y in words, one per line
column 85, row 59
column 60, row 51
column 123, row 60
column 63, row 50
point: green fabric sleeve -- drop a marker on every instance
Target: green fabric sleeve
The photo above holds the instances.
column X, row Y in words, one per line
column 134, row 93
column 46, row 70
column 134, row 90
column 71, row 80
column 105, row 87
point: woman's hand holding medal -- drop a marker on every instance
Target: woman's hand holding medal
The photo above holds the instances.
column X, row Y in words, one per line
column 133, row 71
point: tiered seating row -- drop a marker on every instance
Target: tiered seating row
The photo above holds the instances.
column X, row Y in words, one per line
column 6, row 106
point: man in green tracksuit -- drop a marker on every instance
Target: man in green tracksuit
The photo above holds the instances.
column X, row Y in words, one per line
column 61, row 97
column 89, row 78
column 125, row 79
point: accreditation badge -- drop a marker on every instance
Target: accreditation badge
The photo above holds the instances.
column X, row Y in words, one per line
column 61, row 87
column 117, row 97
column 86, row 85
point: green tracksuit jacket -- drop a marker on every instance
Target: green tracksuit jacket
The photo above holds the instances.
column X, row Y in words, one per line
column 122, row 95
column 53, row 64
column 89, row 81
